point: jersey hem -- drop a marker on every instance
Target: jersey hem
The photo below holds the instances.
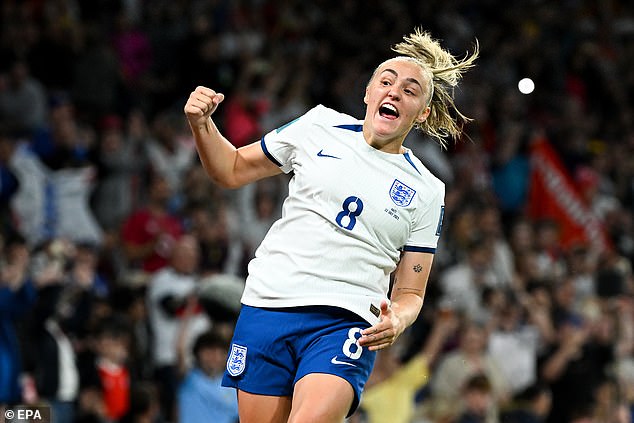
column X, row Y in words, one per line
column 415, row 249
column 281, row 303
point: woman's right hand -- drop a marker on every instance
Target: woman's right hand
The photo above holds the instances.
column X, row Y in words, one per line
column 202, row 103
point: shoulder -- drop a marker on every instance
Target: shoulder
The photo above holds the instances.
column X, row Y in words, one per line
column 323, row 115
column 433, row 187
column 423, row 171
column 316, row 120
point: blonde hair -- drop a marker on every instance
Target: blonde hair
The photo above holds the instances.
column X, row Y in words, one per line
column 445, row 72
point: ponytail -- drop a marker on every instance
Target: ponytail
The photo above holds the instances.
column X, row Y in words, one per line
column 444, row 120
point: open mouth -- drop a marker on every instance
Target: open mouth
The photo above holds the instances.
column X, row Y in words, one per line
column 388, row 111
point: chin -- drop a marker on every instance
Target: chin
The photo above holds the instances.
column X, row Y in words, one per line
column 385, row 128
column 389, row 132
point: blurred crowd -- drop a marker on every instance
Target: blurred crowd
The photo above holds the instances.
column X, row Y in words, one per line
column 121, row 264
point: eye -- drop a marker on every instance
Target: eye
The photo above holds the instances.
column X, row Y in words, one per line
column 385, row 82
column 410, row 89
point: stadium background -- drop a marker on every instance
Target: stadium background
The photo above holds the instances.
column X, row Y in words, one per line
column 92, row 133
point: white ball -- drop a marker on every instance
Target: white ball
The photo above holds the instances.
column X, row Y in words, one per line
column 526, row 85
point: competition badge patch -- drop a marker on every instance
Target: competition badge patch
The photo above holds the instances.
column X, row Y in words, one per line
column 237, row 360
column 401, row 194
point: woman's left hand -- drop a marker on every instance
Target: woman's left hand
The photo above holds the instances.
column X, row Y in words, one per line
column 384, row 333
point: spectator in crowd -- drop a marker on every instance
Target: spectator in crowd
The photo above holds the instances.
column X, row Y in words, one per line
column 392, row 388
column 221, row 250
column 132, row 48
column 200, row 396
column 510, row 169
column 22, row 98
column 550, row 254
column 149, row 233
column 105, row 378
column 119, row 166
column 50, row 354
column 609, row 405
column 8, row 180
column 65, row 141
column 170, row 153
column 52, row 202
column 464, row 283
column 83, row 287
column 489, row 222
column 457, row 367
column 532, row 405
column 17, row 296
column 144, row 405
column 259, row 205
column 514, row 343
column 128, row 299
column 242, row 119
column 575, row 364
column 478, row 401
column 96, row 77
column 171, row 296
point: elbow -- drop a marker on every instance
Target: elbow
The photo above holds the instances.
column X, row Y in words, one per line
column 224, row 182
column 228, row 185
column 224, row 176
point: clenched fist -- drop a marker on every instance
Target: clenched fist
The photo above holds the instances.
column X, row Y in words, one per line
column 201, row 104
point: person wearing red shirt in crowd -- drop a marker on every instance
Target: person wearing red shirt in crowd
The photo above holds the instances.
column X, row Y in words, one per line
column 148, row 234
column 114, row 375
column 104, row 373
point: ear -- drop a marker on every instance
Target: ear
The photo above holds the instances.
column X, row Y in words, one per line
column 365, row 97
column 423, row 115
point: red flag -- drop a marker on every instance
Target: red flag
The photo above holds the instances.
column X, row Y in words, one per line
column 553, row 195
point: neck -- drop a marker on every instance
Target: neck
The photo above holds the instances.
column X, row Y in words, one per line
column 392, row 146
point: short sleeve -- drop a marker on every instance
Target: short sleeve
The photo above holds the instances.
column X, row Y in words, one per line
column 427, row 228
column 281, row 144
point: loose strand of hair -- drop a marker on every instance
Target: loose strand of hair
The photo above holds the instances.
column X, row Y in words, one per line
column 446, row 71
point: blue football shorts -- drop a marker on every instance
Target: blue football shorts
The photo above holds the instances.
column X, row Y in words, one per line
column 273, row 348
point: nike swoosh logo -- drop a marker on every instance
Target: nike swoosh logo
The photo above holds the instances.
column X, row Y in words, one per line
column 335, row 361
column 321, row 154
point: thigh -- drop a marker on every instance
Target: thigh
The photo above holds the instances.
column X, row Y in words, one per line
column 260, row 358
column 255, row 408
column 334, row 351
column 321, row 398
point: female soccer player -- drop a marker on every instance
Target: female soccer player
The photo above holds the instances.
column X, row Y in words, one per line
column 315, row 308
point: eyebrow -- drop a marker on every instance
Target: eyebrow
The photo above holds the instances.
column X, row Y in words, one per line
column 412, row 80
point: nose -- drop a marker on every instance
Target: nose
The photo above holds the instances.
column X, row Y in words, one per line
column 393, row 93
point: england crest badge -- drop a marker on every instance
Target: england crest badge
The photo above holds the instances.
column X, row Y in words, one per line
column 237, row 360
column 401, row 194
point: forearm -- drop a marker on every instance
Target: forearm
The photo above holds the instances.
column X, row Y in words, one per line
column 410, row 284
column 407, row 306
column 217, row 154
column 554, row 367
column 226, row 166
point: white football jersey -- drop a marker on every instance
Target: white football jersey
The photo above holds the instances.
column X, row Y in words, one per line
column 351, row 209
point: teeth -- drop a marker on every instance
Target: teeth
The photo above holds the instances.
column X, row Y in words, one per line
column 389, row 106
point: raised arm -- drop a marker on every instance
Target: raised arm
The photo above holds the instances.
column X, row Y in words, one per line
column 226, row 166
